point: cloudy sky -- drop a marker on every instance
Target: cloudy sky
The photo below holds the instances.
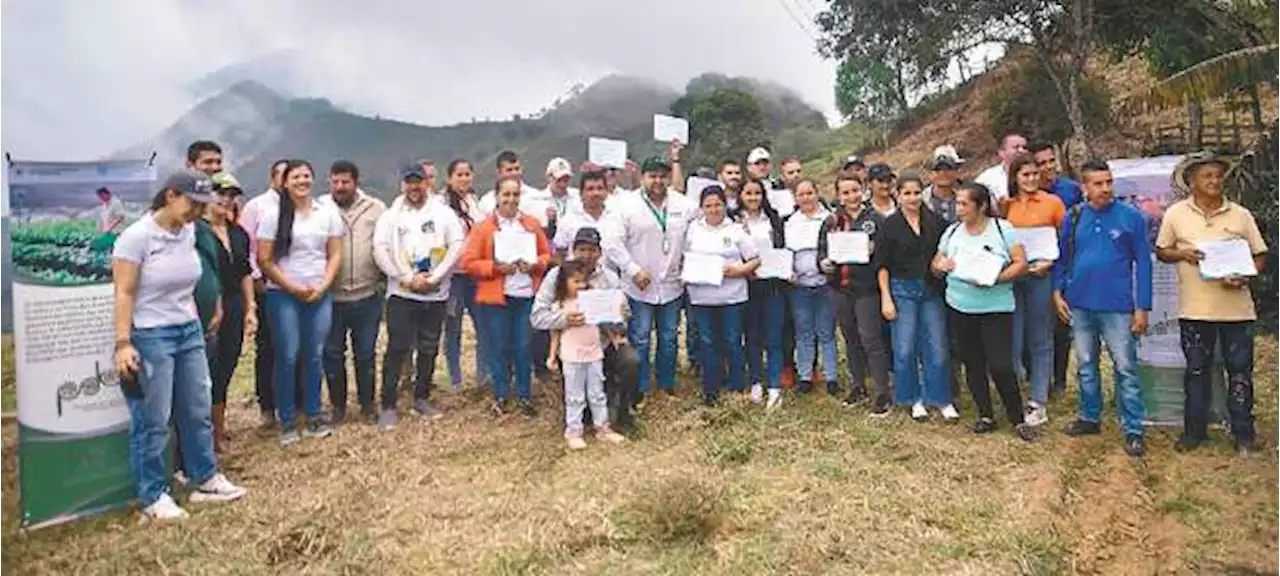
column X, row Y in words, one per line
column 85, row 78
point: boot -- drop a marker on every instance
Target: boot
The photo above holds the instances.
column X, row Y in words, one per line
column 219, row 428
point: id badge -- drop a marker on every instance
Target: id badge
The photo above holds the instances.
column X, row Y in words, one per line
column 666, row 245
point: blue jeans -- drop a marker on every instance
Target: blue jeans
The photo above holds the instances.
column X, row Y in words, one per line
column 1089, row 329
column 692, row 339
column 920, row 341
column 1033, row 321
column 765, row 309
column 508, row 334
column 666, row 318
column 815, row 330
column 720, row 334
column 462, row 298
column 1198, row 341
column 361, row 318
column 175, row 383
column 299, row 331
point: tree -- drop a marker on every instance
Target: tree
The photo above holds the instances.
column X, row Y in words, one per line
column 725, row 123
column 867, row 92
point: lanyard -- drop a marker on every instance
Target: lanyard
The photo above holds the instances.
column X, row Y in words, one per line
column 661, row 217
column 560, row 203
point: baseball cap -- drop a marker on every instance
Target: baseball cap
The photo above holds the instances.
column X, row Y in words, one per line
column 854, row 160
column 412, row 171
column 757, row 155
column 197, row 187
column 655, row 164
column 225, row 181
column 945, row 157
column 587, row 235
column 558, row 168
column 880, row 171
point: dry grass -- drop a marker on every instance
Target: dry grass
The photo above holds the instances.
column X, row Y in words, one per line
column 813, row 489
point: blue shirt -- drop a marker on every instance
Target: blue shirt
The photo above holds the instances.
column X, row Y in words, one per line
column 1067, row 190
column 1111, row 247
column 971, row 298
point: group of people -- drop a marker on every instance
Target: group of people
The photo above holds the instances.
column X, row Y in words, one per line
column 950, row 274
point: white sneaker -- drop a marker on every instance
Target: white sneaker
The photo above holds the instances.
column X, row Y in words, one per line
column 757, row 393
column 180, row 478
column 919, row 412
column 1036, row 415
column 217, row 489
column 949, row 412
column 775, row 399
column 164, row 508
column 576, row 442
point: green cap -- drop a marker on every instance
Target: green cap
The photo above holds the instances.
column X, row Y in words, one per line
column 225, row 181
column 655, row 164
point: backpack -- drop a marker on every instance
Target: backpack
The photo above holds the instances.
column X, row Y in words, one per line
column 951, row 231
column 1071, row 237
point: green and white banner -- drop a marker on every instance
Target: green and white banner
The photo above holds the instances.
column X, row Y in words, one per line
column 73, row 423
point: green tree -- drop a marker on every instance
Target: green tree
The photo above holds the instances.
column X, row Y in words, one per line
column 867, row 92
column 725, row 123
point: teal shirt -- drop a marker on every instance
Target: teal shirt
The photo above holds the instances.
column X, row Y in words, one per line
column 971, row 298
column 208, row 288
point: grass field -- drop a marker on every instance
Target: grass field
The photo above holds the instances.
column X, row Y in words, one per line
column 813, row 489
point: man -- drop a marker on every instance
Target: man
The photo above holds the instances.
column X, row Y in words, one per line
column 357, row 304
column 416, row 244
column 996, row 178
column 620, row 362
column 264, row 361
column 549, row 206
column 619, row 181
column 758, row 166
column 592, row 214
column 428, row 174
column 940, row 196
column 856, row 167
column 1102, row 289
column 729, row 174
column 880, row 183
column 783, row 197
column 649, row 228
column 205, row 157
column 1068, row 191
column 1215, row 311
column 508, row 166
column 111, row 215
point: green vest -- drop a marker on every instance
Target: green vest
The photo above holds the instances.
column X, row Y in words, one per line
column 208, row 288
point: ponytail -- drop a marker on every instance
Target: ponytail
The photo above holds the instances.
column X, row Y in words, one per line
column 455, row 196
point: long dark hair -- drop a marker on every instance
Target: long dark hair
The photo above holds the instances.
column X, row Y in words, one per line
column 775, row 221
column 1014, row 167
column 455, row 196
column 568, row 269
column 980, row 195
column 284, row 223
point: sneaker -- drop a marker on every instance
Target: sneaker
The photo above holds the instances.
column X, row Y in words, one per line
column 1134, row 445
column 984, row 425
column 1035, row 415
column 833, row 388
column 857, row 395
column 368, row 412
column 775, row 399
column 499, row 407
column 805, row 387
column 607, row 434
column 388, row 419
column 267, row 418
column 217, row 489
column 338, row 416
column 1245, row 448
column 317, row 428
column 1187, row 443
column 164, row 508
column 575, row 442
column 1026, row 432
column 180, row 478
column 710, row 400
column 882, row 409
column 919, row 412
column 949, row 413
column 526, row 408
column 1083, row 428
column 757, row 393
column 288, row 437
column 426, row 410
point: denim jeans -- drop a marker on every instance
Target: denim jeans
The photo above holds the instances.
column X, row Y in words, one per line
column 224, row 356
column 815, row 330
column 1115, row 328
column 763, row 327
column 865, row 346
column 1236, row 341
column 299, row 330
column 508, row 333
column 462, row 298
column 175, row 383
column 413, row 327
column 264, row 363
column 920, row 341
column 362, row 319
column 720, row 330
column 644, row 319
column 1033, row 321
column 692, row 338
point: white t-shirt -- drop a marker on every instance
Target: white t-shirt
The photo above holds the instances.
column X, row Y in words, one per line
column 113, row 209
column 168, row 270
column 730, row 241
column 305, row 262
column 515, row 285
column 415, row 234
column 996, row 179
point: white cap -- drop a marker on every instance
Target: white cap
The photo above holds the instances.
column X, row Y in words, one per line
column 947, row 151
column 558, row 168
column 757, row 155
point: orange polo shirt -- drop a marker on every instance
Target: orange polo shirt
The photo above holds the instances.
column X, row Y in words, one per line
column 1036, row 210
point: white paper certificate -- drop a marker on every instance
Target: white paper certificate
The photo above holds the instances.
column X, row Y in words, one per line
column 511, row 246
column 606, row 152
column 775, row 263
column 695, row 185
column 849, row 247
column 782, row 201
column 668, row 128
column 977, row 266
column 1226, row 258
column 1041, row 242
column 803, row 235
column 705, row 269
column 601, row 306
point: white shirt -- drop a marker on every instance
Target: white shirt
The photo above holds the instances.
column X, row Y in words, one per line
column 489, row 200
column 168, row 270
column 515, row 284
column 996, row 179
column 638, row 242
column 568, row 226
column 405, row 236
column 307, row 256
column 730, row 241
column 760, row 228
column 783, row 201
column 805, row 262
column 538, row 202
column 113, row 209
column 250, row 216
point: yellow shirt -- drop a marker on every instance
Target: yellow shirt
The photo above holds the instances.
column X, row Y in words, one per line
column 1183, row 225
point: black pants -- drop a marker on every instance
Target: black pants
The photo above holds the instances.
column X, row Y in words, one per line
column 621, row 385
column 1061, row 352
column 987, row 348
column 224, row 351
column 412, row 327
column 864, row 342
column 539, row 349
column 1236, row 342
column 264, row 366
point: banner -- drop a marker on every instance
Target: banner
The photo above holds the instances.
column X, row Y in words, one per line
column 73, row 423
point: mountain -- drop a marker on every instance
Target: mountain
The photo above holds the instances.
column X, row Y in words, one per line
column 284, row 72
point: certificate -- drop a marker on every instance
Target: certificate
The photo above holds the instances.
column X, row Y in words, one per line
column 849, row 247
column 668, row 128
column 511, row 246
column 775, row 263
column 803, row 235
column 782, row 201
column 705, row 269
column 976, row 266
column 1041, row 243
column 601, row 306
column 695, row 185
column 606, row 152
column 1226, row 258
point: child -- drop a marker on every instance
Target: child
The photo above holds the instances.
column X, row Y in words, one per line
column 581, row 355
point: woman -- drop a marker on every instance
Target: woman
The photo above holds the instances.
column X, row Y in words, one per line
column 810, row 297
column 765, row 302
column 718, row 308
column 299, row 253
column 857, row 298
column 911, row 301
column 459, row 195
column 160, row 352
column 239, row 306
column 982, row 303
column 505, row 286
column 1029, row 207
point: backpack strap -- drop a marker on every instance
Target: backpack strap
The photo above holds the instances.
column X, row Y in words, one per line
column 1074, row 215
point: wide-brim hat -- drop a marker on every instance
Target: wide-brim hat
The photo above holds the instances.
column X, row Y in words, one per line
column 1181, row 184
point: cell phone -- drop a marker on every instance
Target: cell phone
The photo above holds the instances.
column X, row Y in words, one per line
column 131, row 383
